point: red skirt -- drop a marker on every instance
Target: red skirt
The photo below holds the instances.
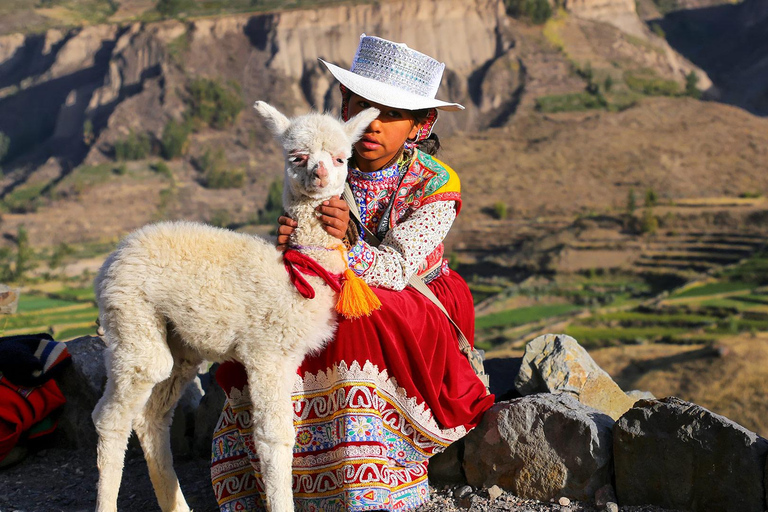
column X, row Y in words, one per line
column 386, row 393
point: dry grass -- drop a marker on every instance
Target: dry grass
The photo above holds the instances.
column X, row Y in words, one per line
column 732, row 385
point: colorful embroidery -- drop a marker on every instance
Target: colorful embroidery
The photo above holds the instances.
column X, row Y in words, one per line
column 362, row 444
column 415, row 245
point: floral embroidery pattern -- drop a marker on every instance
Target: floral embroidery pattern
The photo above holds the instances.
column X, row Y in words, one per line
column 361, row 444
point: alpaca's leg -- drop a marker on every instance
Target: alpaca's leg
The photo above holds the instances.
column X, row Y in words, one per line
column 122, row 401
column 273, row 431
column 153, row 429
column 135, row 363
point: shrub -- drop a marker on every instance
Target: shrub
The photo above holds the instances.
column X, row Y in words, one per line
column 220, row 219
column 273, row 208
column 538, row 11
column 24, row 254
column 650, row 84
column 608, row 84
column 691, row 83
column 631, row 202
column 656, row 28
column 666, row 6
column 135, row 147
column 217, row 174
column 58, row 256
column 500, row 210
column 170, row 8
column 162, row 169
column 121, row 170
column 174, row 141
column 225, row 178
column 570, row 102
column 5, row 145
column 25, row 198
column 213, row 104
column 651, row 199
column 650, row 223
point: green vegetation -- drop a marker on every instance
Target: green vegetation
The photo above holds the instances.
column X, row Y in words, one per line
column 691, row 85
column 537, row 11
column 216, row 171
column 25, row 198
column 88, row 135
column 59, row 254
column 273, row 208
column 717, row 288
column 648, row 83
column 32, row 303
column 651, row 199
column 5, row 145
column 656, row 28
column 162, row 169
column 66, row 314
column 631, row 202
column 134, row 147
column 754, row 270
column 173, row 8
column 500, row 210
column 574, row 102
column 666, row 6
column 649, row 223
column 605, row 336
column 213, row 104
column 174, row 140
column 220, row 219
column 520, row 316
column 83, row 178
column 24, row 255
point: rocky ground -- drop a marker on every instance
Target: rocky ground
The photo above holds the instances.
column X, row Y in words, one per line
column 57, row 480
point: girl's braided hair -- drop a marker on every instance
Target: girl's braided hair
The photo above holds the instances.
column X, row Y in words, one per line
column 431, row 144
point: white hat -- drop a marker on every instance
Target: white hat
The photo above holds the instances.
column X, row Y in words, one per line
column 393, row 75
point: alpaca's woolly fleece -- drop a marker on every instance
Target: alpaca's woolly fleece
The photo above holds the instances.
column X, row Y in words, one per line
column 175, row 294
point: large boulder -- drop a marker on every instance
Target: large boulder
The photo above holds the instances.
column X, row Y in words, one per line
column 82, row 384
column 502, row 372
column 445, row 468
column 541, row 447
column 556, row 363
column 678, row 455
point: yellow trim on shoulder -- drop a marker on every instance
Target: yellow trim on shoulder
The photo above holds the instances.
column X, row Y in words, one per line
column 454, row 184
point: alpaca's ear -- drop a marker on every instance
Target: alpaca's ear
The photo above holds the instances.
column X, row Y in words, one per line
column 356, row 126
column 277, row 122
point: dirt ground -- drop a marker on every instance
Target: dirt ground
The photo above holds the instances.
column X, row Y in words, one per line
column 52, row 479
column 57, row 480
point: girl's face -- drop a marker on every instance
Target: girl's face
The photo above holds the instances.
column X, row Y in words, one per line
column 385, row 136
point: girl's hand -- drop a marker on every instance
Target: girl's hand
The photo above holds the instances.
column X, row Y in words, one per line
column 334, row 214
column 284, row 230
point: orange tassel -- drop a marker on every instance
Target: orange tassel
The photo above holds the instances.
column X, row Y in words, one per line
column 356, row 298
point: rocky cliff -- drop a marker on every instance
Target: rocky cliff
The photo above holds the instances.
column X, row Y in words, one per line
column 68, row 96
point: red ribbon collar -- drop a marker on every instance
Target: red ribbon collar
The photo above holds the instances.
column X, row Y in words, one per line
column 297, row 263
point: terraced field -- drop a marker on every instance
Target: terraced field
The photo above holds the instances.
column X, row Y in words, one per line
column 612, row 310
column 65, row 314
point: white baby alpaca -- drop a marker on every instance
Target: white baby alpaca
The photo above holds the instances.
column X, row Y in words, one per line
column 175, row 294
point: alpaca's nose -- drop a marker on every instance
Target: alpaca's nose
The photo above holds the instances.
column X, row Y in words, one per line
column 321, row 171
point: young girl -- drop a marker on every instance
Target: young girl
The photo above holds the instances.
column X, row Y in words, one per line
column 393, row 388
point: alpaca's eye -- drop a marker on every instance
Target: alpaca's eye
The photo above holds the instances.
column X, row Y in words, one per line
column 299, row 159
column 339, row 161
